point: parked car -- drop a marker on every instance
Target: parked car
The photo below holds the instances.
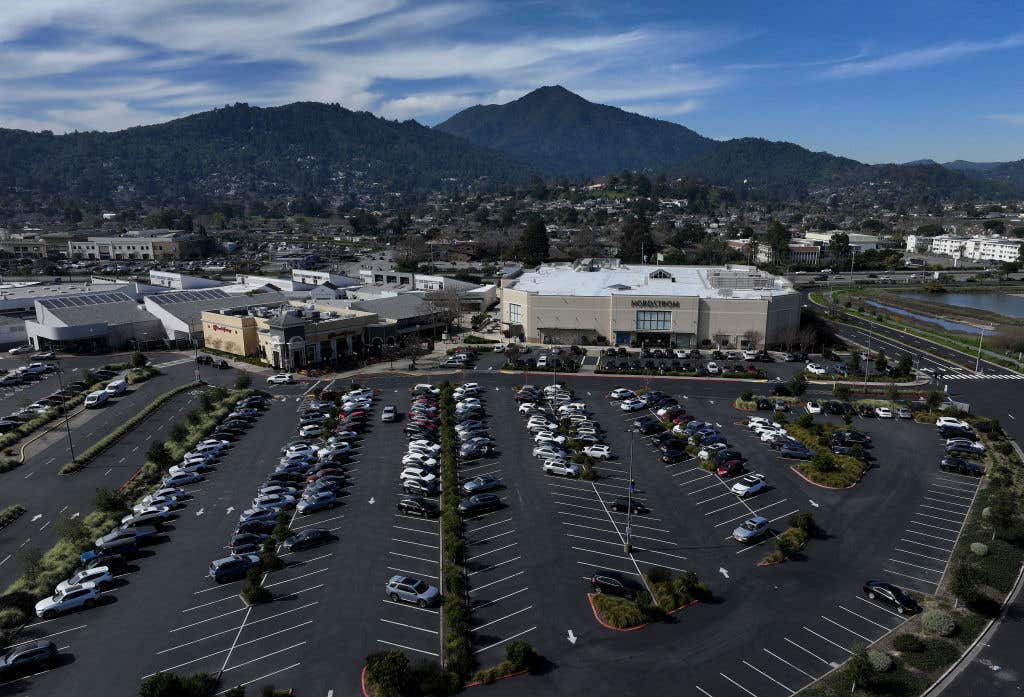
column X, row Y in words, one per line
column 950, row 421
column 233, row 567
column 83, row 596
column 614, row 583
column 316, row 502
column 411, row 590
column 748, row 485
column 751, row 529
column 883, row 412
column 891, row 595
column 624, row 504
column 281, row 379
column 959, row 465
column 418, row 506
column 479, row 503
column 27, row 658
column 813, row 408
column 478, row 485
column 307, row 539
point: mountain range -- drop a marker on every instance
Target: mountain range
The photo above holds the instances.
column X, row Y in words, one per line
column 316, row 148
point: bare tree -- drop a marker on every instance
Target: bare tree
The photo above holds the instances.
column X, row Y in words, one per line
column 447, row 304
column 807, row 337
column 790, row 337
column 753, row 338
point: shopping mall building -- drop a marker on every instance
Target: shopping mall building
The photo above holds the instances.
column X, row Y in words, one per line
column 597, row 301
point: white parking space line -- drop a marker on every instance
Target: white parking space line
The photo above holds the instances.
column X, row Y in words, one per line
column 899, row 573
column 492, row 537
column 718, row 496
column 511, row 614
column 208, row 619
column 488, row 603
column 492, row 567
column 212, row 602
column 492, row 551
column 866, row 619
column 409, row 573
column 317, row 523
column 266, row 655
column 41, row 638
column 944, row 520
column 232, row 629
column 407, row 606
column 952, row 496
column 295, row 578
column 407, row 648
column 632, row 524
column 703, row 691
column 421, row 532
column 878, row 607
column 216, row 653
column 916, row 566
column 830, row 664
column 752, row 694
column 933, row 527
column 628, row 558
column 758, row 670
column 842, row 626
column 415, row 544
column 722, row 508
column 500, row 580
column 503, row 641
column 924, row 556
column 943, row 510
column 262, row 677
column 948, row 550
column 489, row 525
column 409, row 556
column 783, row 660
column 590, row 565
column 826, row 639
column 410, row 626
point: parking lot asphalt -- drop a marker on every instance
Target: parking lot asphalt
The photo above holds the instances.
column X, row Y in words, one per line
column 166, row 612
column 768, row 631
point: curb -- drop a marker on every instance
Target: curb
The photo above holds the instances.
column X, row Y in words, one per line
column 506, row 676
column 362, row 682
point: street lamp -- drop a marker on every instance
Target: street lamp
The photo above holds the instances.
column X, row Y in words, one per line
column 64, row 409
column 627, row 547
column 977, row 362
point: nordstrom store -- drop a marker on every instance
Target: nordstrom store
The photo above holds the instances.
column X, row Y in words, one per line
column 604, row 301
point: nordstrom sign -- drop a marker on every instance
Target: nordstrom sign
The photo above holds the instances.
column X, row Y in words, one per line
column 655, row 303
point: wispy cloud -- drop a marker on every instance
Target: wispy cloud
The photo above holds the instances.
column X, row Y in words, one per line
column 921, row 57
column 1011, row 119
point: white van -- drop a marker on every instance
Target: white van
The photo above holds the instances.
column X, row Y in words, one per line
column 116, row 387
column 96, row 398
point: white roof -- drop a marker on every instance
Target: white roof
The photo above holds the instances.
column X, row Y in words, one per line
column 669, row 281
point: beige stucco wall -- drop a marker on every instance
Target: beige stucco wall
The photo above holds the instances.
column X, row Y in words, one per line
column 236, row 335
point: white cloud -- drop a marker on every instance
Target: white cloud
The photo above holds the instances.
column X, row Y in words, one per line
column 1011, row 119
column 916, row 58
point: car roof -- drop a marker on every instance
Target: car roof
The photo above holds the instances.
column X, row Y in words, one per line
column 759, row 519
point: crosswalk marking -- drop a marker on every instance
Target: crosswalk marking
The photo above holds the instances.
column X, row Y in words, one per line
column 980, row 376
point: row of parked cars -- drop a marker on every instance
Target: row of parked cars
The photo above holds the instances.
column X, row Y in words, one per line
column 308, row 477
column 145, row 523
column 561, row 427
column 962, row 444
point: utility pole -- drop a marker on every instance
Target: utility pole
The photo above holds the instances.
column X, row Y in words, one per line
column 977, row 363
column 64, row 409
column 627, row 547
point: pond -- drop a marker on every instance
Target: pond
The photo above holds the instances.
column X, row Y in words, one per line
column 1001, row 303
column 944, row 323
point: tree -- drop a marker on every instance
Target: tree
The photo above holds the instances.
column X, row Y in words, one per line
column 839, row 249
column 109, row 501
column 159, row 455
column 533, row 245
column 881, row 362
column 855, row 366
column 635, row 242
column 172, row 685
column 753, row 339
column 892, row 392
column 905, row 365
column 798, row 385
column 841, row 391
column 138, row 360
column 777, row 238
column 859, row 666
column 73, row 531
column 31, row 563
column 933, row 399
column 242, row 380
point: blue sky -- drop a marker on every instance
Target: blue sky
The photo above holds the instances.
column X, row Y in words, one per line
column 878, row 81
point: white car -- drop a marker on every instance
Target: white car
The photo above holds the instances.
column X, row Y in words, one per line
column 549, row 437
column 278, row 489
column 951, row 422
column 548, row 452
column 748, row 485
column 159, row 512
column 273, row 501
column 622, row 393
column 417, row 473
column 883, row 412
column 769, row 435
column 281, row 379
column 713, row 368
column 189, row 468
column 334, row 449
column 181, row 479
column 424, row 446
column 210, row 445
column 527, row 407
column 85, row 595
column 706, row 452
column 975, row 446
column 468, row 402
column 540, row 425
column 813, row 408
column 310, row 431
column 815, row 369
column 98, row 576
column 19, row 350
column 755, row 421
column 749, row 355
column 299, row 449
column 598, row 452
column 499, row 348
column 417, row 459
column 353, row 395
column 562, row 468
column 633, row 404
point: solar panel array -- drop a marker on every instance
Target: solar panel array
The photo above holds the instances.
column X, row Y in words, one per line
column 86, row 300
column 188, row 296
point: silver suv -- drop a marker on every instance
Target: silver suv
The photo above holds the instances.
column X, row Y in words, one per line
column 411, row 590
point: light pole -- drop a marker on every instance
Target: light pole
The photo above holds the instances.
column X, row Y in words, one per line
column 64, row 409
column 627, row 547
column 977, row 362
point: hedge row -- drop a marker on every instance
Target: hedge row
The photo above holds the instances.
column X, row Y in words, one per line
column 457, row 651
column 58, row 563
column 827, row 468
column 10, row 514
column 121, row 431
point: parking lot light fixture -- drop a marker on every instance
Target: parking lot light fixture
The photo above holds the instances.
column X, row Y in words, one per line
column 629, row 496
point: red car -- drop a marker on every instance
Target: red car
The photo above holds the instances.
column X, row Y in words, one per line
column 326, row 472
column 730, row 468
column 682, row 419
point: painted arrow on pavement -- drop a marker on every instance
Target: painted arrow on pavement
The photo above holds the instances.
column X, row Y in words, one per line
column 228, row 512
column 36, row 517
column 200, row 512
column 572, row 638
column 723, row 571
column 814, row 503
column 372, row 500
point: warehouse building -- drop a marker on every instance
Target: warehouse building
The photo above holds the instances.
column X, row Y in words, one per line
column 603, row 301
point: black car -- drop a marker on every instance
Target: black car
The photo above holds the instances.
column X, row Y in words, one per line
column 222, row 364
column 851, row 437
column 284, row 478
column 892, row 595
column 950, row 432
column 764, row 404
column 726, row 455
column 480, row 503
column 614, row 583
column 674, row 456
column 204, row 360
column 255, row 527
column 246, row 542
column 832, row 407
column 28, row 658
column 417, row 505
column 117, row 563
column 222, row 434
column 866, row 410
column 307, row 539
column 624, row 504
column 795, row 452
column 958, row 465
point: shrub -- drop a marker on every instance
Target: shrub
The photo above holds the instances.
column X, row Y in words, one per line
column 109, row 501
column 804, row 521
column 791, row 541
column 243, row 381
column 938, row 622
column 880, row 661
column 936, row 654
column 747, row 396
column 11, row 617
column 979, row 548
column 805, row 420
column 618, row 612
column 906, row 643
column 171, row 685
column 138, row 360
column 521, row 656
column 10, row 514
column 824, row 461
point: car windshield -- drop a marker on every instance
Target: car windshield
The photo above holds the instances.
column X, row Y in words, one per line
column 749, row 526
column 420, row 587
